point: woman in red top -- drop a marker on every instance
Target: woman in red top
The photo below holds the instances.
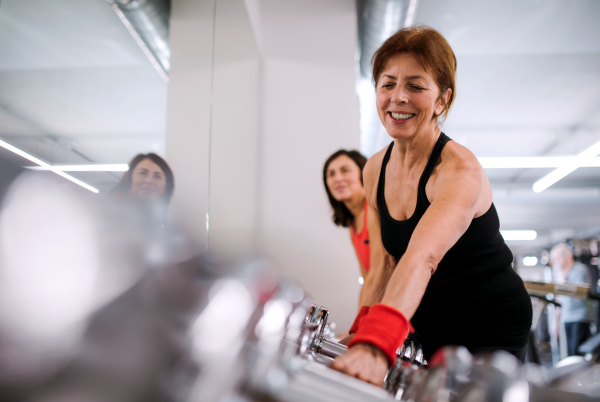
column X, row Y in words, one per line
column 342, row 176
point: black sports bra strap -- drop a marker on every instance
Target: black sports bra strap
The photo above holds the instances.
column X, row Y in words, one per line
column 384, row 163
column 435, row 155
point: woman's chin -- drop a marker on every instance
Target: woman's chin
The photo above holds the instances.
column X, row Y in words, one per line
column 343, row 197
column 399, row 134
column 146, row 195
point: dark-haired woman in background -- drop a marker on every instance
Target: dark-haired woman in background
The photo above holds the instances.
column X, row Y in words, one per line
column 342, row 176
column 149, row 182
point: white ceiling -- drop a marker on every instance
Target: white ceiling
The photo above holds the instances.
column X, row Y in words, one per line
column 75, row 87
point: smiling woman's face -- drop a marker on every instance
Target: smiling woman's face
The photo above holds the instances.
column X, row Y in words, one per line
column 408, row 99
column 343, row 179
column 148, row 181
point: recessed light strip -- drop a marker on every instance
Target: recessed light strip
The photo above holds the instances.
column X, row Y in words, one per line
column 40, row 162
column 533, row 162
column 116, row 167
column 566, row 169
column 518, row 234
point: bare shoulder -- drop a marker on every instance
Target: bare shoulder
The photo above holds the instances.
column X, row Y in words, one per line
column 371, row 173
column 373, row 166
column 460, row 160
column 461, row 173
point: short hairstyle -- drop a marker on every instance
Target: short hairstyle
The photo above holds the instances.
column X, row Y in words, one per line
column 124, row 185
column 563, row 249
column 431, row 50
column 341, row 214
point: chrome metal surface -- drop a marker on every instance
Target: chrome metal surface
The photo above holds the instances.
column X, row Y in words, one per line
column 315, row 382
column 398, row 377
column 377, row 21
column 331, row 349
column 148, row 23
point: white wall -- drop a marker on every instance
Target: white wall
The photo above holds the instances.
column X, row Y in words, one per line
column 188, row 112
column 234, row 141
column 310, row 110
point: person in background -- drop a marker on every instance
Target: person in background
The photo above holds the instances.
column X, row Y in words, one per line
column 149, row 183
column 342, row 176
column 575, row 313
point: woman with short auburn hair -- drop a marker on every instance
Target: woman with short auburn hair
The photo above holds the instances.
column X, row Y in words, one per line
column 438, row 260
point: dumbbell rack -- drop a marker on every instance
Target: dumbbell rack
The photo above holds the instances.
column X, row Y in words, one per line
column 284, row 353
column 456, row 376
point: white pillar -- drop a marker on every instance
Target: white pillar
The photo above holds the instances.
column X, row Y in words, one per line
column 189, row 112
column 234, row 144
column 212, row 133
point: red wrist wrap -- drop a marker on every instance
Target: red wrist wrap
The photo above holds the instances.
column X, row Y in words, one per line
column 383, row 327
column 361, row 313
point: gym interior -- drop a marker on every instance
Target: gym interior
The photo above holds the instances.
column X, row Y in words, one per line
column 318, row 200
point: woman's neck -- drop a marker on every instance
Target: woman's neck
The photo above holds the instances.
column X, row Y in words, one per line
column 355, row 205
column 414, row 149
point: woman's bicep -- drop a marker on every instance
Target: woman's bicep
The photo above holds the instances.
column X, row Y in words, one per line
column 456, row 201
column 362, row 269
column 376, row 250
column 444, row 222
column 380, row 266
column 381, row 263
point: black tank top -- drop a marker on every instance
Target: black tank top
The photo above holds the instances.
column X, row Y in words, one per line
column 474, row 298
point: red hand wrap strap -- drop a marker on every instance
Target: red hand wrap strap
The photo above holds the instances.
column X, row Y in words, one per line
column 383, row 327
column 361, row 313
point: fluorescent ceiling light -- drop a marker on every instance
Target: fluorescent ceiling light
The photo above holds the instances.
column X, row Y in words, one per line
column 116, row 167
column 518, row 234
column 530, row 261
column 40, row 162
column 569, row 167
column 533, row 162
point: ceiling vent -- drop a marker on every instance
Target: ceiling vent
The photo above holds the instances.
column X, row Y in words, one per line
column 377, row 21
column 148, row 23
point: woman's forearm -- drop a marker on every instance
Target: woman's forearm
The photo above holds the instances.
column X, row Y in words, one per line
column 366, row 297
column 408, row 282
column 376, row 282
column 362, row 298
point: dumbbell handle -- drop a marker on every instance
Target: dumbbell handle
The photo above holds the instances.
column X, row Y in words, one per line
column 330, row 349
column 335, row 349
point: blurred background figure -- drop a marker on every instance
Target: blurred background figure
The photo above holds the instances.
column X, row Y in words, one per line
column 576, row 314
column 149, row 183
column 8, row 172
column 342, row 175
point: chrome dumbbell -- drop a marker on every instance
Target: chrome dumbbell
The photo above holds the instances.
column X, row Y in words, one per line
column 497, row 377
column 318, row 346
column 398, row 374
column 322, row 350
column 444, row 380
column 410, row 360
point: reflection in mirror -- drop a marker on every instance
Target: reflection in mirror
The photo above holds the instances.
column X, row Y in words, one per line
column 76, row 89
